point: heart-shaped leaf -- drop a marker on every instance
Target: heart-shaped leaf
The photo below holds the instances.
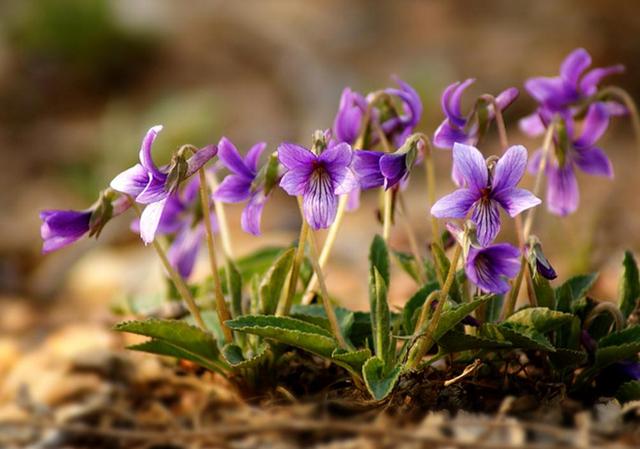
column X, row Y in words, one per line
column 273, row 281
column 287, row 330
column 629, row 285
column 541, row 319
column 379, row 380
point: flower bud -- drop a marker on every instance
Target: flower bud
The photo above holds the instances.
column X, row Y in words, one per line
column 537, row 260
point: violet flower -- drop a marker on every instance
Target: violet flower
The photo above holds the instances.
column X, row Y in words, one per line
column 574, row 151
column 319, row 179
column 484, row 193
column 398, row 128
column 61, row 228
column 150, row 185
column 239, row 185
column 458, row 128
column 348, row 122
column 489, row 268
column 573, row 85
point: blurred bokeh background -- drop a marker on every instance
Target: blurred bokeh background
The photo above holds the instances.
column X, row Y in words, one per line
column 81, row 81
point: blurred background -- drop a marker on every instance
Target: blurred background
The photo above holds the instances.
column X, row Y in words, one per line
column 81, row 82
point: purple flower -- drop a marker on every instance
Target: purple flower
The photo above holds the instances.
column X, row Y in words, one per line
column 489, row 268
column 149, row 185
column 348, row 122
column 375, row 169
column 399, row 127
column 558, row 93
column 63, row 227
column 574, row 151
column 484, row 193
column 239, row 185
column 458, row 128
column 319, row 179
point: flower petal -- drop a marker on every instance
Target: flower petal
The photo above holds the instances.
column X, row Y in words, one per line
column 453, row 102
column 319, row 201
column 563, row 195
column 447, row 135
column 230, row 156
column 454, row 205
column 183, row 251
column 252, row 213
column 131, row 181
column 348, row 121
column 532, row 125
column 366, row 165
column 589, row 82
column 344, row 182
column 150, row 219
column 294, row 156
column 393, row 167
column 353, row 200
column 233, row 189
column 253, row 156
column 154, row 191
column 574, row 66
column 547, row 91
column 594, row 125
column 295, row 182
column 509, row 169
column 60, row 228
column 516, row 200
column 336, row 157
column 201, row 157
column 594, row 161
column 486, row 216
column 471, row 165
column 488, row 267
column 145, row 151
column 505, row 98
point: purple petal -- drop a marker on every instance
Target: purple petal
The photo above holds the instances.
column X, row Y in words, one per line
column 252, row 213
column 145, row 151
column 471, row 165
column 454, row 205
column 534, row 162
column 295, row 182
column 348, row 121
column 548, row 91
column 594, row 125
column 532, row 125
column 336, row 157
column 594, row 161
column 451, row 104
column 393, row 167
column 366, row 165
column 171, row 220
column 233, row 189
column 319, row 201
column 150, row 219
column 447, row 135
column 154, row 191
column 294, row 156
column 488, row 267
column 507, row 97
column 574, row 66
column 411, row 103
column 253, row 156
column 344, row 181
column 183, row 251
column 353, row 200
column 590, row 81
column 131, row 181
column 456, row 176
column 516, row 200
column 201, row 157
column 62, row 227
column 231, row 158
column 486, row 216
column 563, row 195
column 510, row 169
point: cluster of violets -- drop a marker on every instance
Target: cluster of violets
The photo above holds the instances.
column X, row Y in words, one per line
column 373, row 144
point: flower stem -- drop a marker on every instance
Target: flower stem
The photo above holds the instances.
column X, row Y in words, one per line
column 221, row 304
column 284, row 307
column 430, row 173
column 223, row 224
column 425, row 341
column 386, row 222
column 326, row 302
column 502, row 129
column 624, row 96
column 326, row 248
column 177, row 280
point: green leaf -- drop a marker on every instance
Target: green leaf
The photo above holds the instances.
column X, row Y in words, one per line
column 605, row 356
column 544, row 292
column 380, row 317
column 567, row 358
column 628, row 391
column 211, row 321
column 414, row 304
column 493, row 309
column 408, row 264
column 520, row 336
column 234, row 283
column 316, row 314
column 629, row 290
column 234, row 356
column 628, row 335
column 574, row 289
column 379, row 380
column 455, row 341
column 541, row 319
column 355, row 359
column 379, row 258
column 175, row 338
column 273, row 281
column 287, row 330
column 452, row 317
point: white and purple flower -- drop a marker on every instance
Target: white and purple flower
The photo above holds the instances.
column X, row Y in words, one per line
column 484, row 192
column 319, row 179
column 150, row 185
column 490, row 268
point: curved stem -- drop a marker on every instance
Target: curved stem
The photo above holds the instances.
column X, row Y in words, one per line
column 502, row 130
column 608, row 307
column 624, row 96
column 221, row 305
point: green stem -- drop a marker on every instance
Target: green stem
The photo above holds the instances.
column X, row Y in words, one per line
column 221, row 305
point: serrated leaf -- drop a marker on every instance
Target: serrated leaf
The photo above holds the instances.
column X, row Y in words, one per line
column 541, row 319
column 567, row 358
column 628, row 335
column 380, row 316
column 234, row 356
column 316, row 314
column 413, row 304
column 629, row 290
column 628, row 391
column 453, row 316
column 455, row 341
column 289, row 331
column 524, row 337
column 355, row 359
column 607, row 355
column 378, row 379
column 159, row 347
column 379, row 258
column 211, row 321
column 574, row 289
column 175, row 338
column 273, row 281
